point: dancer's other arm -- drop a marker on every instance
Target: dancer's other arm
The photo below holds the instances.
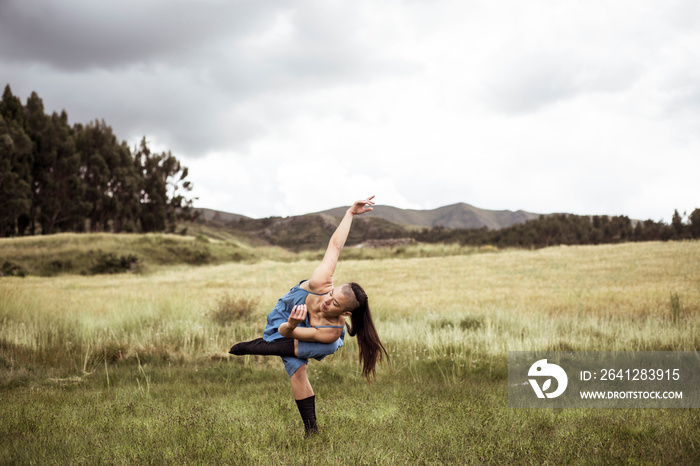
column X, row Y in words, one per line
column 289, row 329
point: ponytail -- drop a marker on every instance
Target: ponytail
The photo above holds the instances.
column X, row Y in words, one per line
column 371, row 347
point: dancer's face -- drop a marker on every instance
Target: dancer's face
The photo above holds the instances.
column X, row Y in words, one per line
column 338, row 302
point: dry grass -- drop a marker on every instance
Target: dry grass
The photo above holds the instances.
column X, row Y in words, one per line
column 576, row 298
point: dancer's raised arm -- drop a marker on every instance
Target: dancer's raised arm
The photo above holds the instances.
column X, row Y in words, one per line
column 322, row 278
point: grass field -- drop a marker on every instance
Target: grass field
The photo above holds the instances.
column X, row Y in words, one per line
column 132, row 368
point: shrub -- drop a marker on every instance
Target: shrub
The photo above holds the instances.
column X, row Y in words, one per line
column 106, row 263
column 442, row 323
column 231, row 309
column 191, row 253
column 10, row 269
column 471, row 323
column 60, row 265
column 467, row 323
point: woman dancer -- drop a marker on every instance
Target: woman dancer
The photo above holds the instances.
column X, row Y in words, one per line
column 308, row 322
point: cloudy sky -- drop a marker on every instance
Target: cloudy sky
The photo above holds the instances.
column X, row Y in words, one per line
column 284, row 107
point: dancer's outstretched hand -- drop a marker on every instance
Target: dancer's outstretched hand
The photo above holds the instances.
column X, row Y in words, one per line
column 298, row 315
column 360, row 207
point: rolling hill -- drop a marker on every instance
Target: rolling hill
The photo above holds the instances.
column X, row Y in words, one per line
column 217, row 215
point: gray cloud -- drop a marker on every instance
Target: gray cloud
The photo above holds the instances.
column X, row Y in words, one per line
column 531, row 81
column 187, row 73
column 571, row 52
column 77, row 35
column 526, row 75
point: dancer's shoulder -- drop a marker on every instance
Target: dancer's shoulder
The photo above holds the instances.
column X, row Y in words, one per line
column 314, row 287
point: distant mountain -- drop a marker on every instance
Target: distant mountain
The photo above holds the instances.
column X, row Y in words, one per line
column 458, row 223
column 459, row 215
column 312, row 230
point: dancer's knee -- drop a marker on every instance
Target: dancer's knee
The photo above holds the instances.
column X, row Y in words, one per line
column 300, row 373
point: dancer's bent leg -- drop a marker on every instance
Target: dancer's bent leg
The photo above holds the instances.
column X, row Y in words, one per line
column 286, row 347
column 282, row 347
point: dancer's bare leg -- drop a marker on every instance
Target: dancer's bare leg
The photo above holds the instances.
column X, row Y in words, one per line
column 305, row 400
column 301, row 387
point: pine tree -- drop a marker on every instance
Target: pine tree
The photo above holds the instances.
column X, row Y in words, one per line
column 695, row 223
column 677, row 224
column 100, row 160
column 11, row 108
column 15, row 191
column 162, row 175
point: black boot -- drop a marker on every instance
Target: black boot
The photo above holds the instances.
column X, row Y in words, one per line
column 307, row 409
column 283, row 347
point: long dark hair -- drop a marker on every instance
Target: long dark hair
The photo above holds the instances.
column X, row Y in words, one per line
column 371, row 347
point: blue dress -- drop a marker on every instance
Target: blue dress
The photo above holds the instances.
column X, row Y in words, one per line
column 306, row 349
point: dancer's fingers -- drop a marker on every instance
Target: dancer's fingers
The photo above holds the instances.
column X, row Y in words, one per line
column 299, row 312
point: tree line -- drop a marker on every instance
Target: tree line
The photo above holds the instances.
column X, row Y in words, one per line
column 568, row 229
column 55, row 177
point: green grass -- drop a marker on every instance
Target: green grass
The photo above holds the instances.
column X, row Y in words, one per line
column 102, row 253
column 236, row 414
column 87, row 254
column 132, row 368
